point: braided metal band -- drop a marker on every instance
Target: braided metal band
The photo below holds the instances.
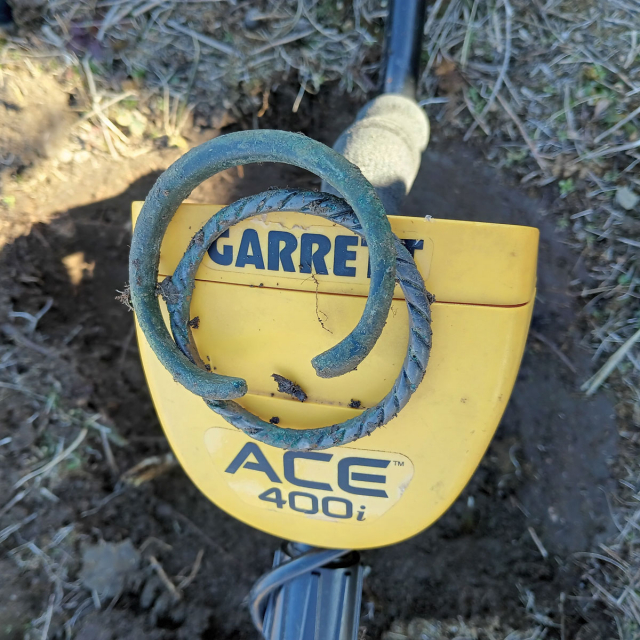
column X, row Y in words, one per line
column 178, row 288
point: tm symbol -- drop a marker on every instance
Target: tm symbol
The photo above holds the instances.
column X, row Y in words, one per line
column 398, row 463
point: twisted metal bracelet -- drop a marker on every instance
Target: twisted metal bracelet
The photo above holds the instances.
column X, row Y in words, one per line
column 231, row 150
column 178, row 288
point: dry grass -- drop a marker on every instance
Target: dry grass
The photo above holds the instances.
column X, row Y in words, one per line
column 421, row 629
column 553, row 90
column 550, row 89
column 209, row 57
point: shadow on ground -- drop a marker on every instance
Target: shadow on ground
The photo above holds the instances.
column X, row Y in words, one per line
column 547, row 469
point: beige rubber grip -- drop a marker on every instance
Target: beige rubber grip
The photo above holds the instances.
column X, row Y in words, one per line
column 386, row 142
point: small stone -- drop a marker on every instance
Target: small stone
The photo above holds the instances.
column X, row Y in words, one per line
column 626, row 198
column 138, row 125
column 65, row 156
column 81, row 157
column 178, row 141
column 107, row 566
column 123, row 117
column 421, row 629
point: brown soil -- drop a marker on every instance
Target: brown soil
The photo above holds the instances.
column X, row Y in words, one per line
column 548, row 468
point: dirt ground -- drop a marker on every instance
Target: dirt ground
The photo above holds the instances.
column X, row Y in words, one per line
column 548, row 470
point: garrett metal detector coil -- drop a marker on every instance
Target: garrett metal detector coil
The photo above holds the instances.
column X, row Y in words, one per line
column 259, row 311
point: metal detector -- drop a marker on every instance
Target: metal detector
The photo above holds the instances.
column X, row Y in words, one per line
column 325, row 370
